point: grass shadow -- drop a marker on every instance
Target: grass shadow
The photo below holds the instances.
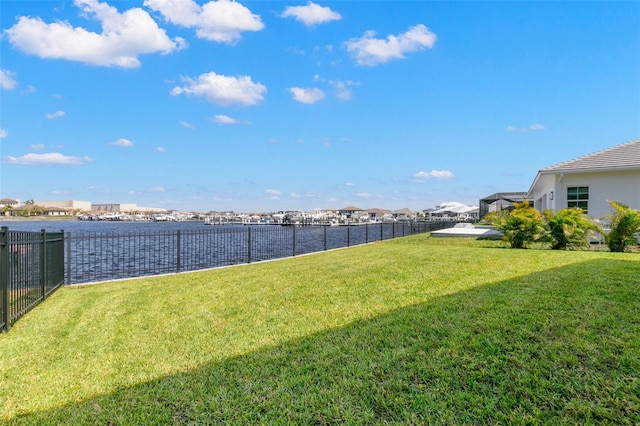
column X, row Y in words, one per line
column 555, row 347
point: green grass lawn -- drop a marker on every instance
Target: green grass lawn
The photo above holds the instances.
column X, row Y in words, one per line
column 408, row 331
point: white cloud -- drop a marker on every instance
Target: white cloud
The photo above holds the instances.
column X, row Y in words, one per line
column 307, row 95
column 294, row 195
column 225, row 119
column 421, row 176
column 371, row 51
column 44, row 159
column 273, row 192
column 54, row 115
column 124, row 36
column 530, row 128
column 187, row 125
column 6, row 80
column 311, row 14
column 342, row 89
column 36, row 147
column 3, row 133
column 157, row 189
column 222, row 21
column 160, row 149
column 122, row 142
column 222, row 90
column 364, row 195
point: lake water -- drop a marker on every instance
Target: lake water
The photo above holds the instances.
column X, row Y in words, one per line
column 102, row 250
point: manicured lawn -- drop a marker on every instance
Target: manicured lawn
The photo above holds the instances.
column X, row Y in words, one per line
column 408, row 331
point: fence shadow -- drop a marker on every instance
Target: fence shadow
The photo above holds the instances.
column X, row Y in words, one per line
column 530, row 350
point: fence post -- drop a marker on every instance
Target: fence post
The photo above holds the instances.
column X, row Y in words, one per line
column 43, row 262
column 68, row 257
column 248, row 244
column 4, row 276
column 178, row 254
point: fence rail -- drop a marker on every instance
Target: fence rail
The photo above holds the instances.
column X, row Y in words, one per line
column 95, row 256
column 31, row 268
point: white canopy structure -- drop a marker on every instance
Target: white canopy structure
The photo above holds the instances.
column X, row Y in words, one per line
column 455, row 209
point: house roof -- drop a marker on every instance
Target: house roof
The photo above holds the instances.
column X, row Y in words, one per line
column 405, row 211
column 624, row 156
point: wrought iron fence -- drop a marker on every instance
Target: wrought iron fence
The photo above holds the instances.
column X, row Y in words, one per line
column 31, row 268
column 93, row 256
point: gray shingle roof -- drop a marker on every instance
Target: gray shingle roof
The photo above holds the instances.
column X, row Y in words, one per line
column 624, row 156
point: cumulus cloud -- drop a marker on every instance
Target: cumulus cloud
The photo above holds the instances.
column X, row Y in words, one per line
column 421, row 176
column 46, row 159
column 342, row 89
column 222, row 90
column 371, row 51
column 225, row 119
column 222, row 21
column 530, row 128
column 6, row 80
column 307, row 95
column 54, row 115
column 3, row 133
column 124, row 37
column 312, row 14
column 122, row 142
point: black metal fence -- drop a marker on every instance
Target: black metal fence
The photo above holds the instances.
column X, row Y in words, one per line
column 95, row 256
column 31, row 268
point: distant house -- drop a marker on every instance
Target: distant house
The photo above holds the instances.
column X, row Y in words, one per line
column 7, row 204
column 404, row 214
column 56, row 211
column 377, row 214
column 590, row 181
column 349, row 211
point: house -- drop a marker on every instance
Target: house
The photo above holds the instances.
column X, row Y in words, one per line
column 7, row 204
column 404, row 214
column 378, row 214
column 590, row 181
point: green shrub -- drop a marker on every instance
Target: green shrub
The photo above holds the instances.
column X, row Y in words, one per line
column 568, row 229
column 521, row 226
column 625, row 224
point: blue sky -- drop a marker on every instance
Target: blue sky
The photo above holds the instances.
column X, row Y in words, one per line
column 260, row 106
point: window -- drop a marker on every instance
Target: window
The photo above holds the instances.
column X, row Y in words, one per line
column 578, row 196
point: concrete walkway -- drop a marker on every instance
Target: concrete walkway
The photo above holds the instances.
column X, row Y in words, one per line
column 468, row 230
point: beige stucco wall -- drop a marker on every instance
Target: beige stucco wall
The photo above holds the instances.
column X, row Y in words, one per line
column 65, row 204
column 621, row 186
